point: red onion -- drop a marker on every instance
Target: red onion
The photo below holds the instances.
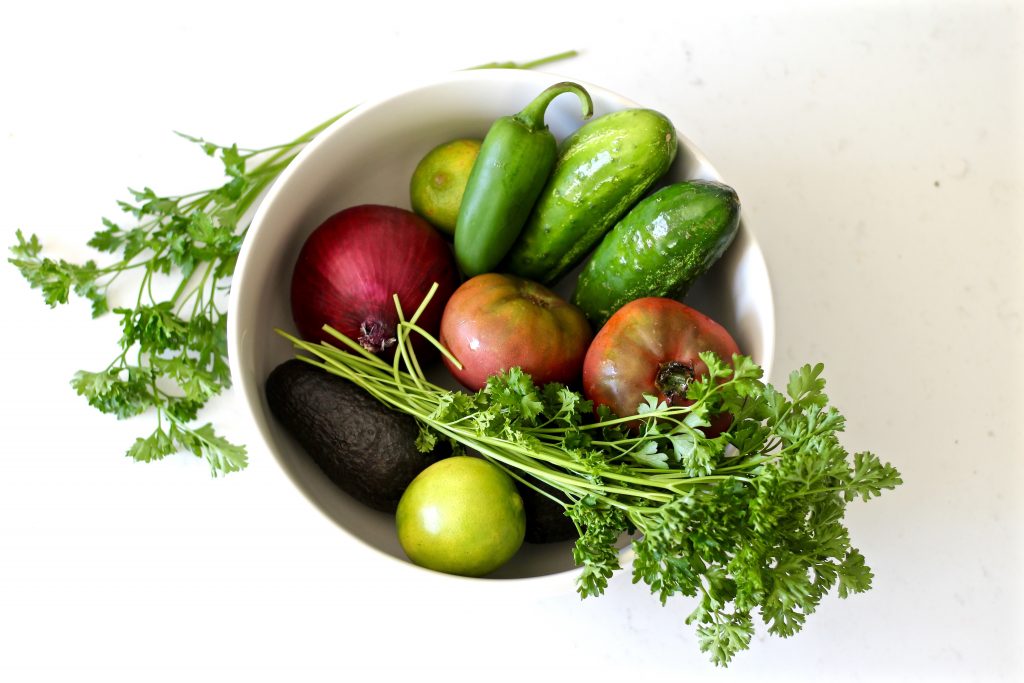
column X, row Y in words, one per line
column 351, row 266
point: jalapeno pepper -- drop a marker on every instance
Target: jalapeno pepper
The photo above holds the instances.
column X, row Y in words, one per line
column 515, row 160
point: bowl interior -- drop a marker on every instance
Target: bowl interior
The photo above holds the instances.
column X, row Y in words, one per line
column 368, row 157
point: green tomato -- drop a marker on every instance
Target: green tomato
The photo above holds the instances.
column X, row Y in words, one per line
column 461, row 515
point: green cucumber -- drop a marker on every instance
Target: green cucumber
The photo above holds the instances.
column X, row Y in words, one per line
column 665, row 243
column 602, row 169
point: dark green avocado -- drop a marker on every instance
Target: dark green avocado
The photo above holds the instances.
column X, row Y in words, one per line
column 546, row 521
column 365, row 448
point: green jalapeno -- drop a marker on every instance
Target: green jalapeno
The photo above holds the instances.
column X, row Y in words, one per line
column 515, row 161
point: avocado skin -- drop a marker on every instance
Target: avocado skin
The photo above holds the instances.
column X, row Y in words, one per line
column 365, row 448
column 546, row 521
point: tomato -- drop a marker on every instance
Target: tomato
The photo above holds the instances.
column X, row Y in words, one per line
column 495, row 322
column 650, row 346
column 461, row 515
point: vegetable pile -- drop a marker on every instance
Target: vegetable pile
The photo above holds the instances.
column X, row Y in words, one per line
column 656, row 430
column 750, row 520
column 623, row 416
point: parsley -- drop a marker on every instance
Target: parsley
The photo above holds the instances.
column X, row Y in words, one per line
column 747, row 523
column 172, row 354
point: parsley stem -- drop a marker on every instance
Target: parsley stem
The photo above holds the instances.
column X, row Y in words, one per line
column 815, row 492
column 434, row 342
column 511, row 471
column 747, row 464
column 533, row 64
column 503, row 451
column 667, row 414
column 401, row 352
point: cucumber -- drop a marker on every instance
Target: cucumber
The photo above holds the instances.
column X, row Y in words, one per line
column 665, row 243
column 602, row 169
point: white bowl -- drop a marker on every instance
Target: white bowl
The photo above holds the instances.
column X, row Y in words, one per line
column 368, row 157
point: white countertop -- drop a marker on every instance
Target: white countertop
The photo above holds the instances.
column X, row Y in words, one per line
column 878, row 149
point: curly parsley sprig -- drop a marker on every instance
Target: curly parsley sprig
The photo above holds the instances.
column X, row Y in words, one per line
column 172, row 355
column 173, row 349
column 747, row 522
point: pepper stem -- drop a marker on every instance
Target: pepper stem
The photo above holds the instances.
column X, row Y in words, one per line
column 532, row 115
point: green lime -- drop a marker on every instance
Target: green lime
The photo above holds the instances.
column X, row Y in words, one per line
column 440, row 180
column 461, row 515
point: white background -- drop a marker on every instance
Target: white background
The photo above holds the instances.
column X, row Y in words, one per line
column 878, row 148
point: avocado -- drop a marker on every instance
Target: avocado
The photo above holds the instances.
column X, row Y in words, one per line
column 365, row 448
column 546, row 521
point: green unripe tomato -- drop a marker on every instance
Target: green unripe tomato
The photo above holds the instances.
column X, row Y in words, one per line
column 461, row 515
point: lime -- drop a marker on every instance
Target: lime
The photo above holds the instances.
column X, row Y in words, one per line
column 440, row 180
column 461, row 515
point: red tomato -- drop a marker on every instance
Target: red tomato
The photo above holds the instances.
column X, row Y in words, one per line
column 495, row 322
column 650, row 346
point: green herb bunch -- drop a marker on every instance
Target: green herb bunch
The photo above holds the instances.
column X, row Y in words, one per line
column 172, row 352
column 750, row 521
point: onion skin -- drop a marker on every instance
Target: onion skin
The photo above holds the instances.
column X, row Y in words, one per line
column 350, row 267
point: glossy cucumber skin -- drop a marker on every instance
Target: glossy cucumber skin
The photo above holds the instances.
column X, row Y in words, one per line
column 602, row 169
column 665, row 243
column 501, row 190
